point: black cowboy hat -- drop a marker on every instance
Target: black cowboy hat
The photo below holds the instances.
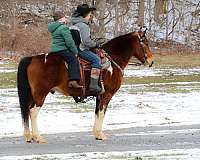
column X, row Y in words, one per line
column 83, row 10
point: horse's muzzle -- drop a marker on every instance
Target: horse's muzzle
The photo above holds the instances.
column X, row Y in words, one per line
column 147, row 63
column 150, row 65
column 150, row 61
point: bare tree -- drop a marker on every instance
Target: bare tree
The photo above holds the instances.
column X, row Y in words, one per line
column 171, row 20
column 141, row 13
column 194, row 14
column 100, row 4
column 159, row 9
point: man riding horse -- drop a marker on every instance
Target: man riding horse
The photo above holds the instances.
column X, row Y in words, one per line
column 80, row 19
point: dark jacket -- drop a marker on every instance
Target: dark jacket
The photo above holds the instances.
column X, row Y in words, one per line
column 61, row 38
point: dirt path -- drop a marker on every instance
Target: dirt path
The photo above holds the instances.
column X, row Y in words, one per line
column 130, row 139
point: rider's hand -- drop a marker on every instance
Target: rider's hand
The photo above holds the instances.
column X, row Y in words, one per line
column 100, row 42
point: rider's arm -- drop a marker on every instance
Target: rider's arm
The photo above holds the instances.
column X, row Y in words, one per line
column 86, row 37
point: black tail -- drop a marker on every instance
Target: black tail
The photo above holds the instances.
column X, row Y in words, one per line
column 24, row 90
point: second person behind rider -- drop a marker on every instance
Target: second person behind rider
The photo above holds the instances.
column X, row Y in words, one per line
column 62, row 44
column 81, row 18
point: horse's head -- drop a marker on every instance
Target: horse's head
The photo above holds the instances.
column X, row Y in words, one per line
column 143, row 53
column 122, row 48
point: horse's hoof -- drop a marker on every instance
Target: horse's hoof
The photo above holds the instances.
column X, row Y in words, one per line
column 28, row 138
column 100, row 136
column 39, row 140
column 29, row 141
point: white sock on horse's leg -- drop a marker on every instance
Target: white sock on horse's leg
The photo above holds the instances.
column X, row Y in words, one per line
column 98, row 125
column 33, row 115
column 35, row 133
column 27, row 133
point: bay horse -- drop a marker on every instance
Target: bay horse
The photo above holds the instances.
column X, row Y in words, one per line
column 37, row 75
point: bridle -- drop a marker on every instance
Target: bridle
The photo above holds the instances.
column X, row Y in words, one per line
column 141, row 40
column 142, row 43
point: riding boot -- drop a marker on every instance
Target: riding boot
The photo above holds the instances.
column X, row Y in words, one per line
column 74, row 84
column 94, row 79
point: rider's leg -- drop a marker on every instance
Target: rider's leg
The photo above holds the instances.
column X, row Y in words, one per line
column 95, row 72
column 73, row 68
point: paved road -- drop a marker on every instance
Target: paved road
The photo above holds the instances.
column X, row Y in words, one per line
column 130, row 139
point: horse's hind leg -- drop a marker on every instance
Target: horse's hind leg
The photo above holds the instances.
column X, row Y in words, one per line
column 27, row 133
column 35, row 133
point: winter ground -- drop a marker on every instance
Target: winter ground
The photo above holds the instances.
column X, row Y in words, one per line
column 146, row 121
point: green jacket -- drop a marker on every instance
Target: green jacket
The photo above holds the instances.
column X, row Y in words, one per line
column 61, row 38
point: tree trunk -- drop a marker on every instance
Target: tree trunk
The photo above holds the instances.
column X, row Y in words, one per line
column 100, row 4
column 167, row 22
column 149, row 10
column 116, row 28
column 159, row 9
column 141, row 13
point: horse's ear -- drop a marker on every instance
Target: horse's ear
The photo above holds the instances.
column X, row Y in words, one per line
column 142, row 30
column 145, row 31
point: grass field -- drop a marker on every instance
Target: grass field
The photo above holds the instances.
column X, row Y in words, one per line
column 8, row 79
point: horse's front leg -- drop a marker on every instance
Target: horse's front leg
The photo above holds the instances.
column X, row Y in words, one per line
column 99, row 117
column 101, row 106
column 35, row 133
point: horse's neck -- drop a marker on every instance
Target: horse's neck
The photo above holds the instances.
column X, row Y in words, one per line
column 121, row 61
column 120, row 49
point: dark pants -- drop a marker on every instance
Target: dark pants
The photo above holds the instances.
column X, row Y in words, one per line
column 73, row 64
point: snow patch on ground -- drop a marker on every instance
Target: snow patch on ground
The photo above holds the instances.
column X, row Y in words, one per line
column 174, row 154
column 61, row 114
column 138, row 72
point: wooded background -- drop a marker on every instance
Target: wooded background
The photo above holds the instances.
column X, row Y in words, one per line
column 171, row 24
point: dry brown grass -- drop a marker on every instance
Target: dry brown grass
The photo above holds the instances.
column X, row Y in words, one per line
column 173, row 48
column 25, row 40
column 35, row 39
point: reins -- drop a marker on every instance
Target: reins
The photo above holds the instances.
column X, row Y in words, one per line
column 110, row 58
